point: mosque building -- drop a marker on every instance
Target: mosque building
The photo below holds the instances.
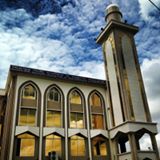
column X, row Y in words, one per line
column 47, row 115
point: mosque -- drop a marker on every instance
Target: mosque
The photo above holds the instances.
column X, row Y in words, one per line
column 47, row 115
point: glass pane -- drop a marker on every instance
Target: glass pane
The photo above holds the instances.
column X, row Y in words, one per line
column 54, row 95
column 29, row 92
column 97, row 122
column 76, row 120
column 95, row 100
column 31, row 117
column 74, row 147
column 96, row 150
column 53, row 143
column 99, row 146
column 81, row 147
column 75, row 98
column 27, row 117
column 26, row 147
column 73, row 120
column 103, row 149
column 80, row 121
column 23, row 117
column 77, row 146
column 53, row 119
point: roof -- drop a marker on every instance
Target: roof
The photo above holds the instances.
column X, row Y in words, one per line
column 16, row 70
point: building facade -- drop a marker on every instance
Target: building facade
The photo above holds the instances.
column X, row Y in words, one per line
column 80, row 118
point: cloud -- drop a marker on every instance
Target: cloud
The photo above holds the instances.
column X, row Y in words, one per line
column 146, row 8
column 150, row 71
column 50, row 42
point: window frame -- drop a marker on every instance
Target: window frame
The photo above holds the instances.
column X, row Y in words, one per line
column 76, row 112
column 60, row 110
column 18, row 157
column 103, row 113
column 20, row 106
column 85, row 146
column 61, row 139
column 106, row 142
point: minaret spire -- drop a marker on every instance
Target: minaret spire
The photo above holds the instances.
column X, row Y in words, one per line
column 128, row 108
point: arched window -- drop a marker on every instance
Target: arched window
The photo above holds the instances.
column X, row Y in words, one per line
column 53, row 108
column 97, row 111
column 76, row 110
column 28, row 106
column 77, row 146
column 99, row 147
column 53, row 143
column 25, row 145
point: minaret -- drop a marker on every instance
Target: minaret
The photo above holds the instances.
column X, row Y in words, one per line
column 129, row 111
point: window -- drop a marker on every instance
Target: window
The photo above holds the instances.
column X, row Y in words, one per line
column 53, row 143
column 53, row 118
column 76, row 120
column 25, row 145
column 27, row 117
column 75, row 98
column 28, row 106
column 77, row 145
column 53, row 108
column 99, row 146
column 29, row 92
column 97, row 121
column 95, row 101
column 54, row 95
column 76, row 110
column 97, row 111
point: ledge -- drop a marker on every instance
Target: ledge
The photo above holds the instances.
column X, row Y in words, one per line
column 96, row 132
column 72, row 132
column 115, row 24
column 50, row 130
column 24, row 129
column 131, row 126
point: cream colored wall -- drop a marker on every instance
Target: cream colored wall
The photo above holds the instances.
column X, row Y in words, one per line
column 134, row 85
column 112, row 75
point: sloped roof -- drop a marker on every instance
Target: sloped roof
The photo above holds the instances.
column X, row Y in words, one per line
column 54, row 75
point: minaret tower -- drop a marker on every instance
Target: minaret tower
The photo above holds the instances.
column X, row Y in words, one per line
column 129, row 112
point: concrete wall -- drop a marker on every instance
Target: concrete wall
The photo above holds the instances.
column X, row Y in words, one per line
column 113, row 81
column 136, row 96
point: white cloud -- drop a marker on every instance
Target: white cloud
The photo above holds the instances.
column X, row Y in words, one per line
column 146, row 7
column 31, row 45
column 151, row 74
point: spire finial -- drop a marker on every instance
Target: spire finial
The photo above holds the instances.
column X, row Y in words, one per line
column 113, row 13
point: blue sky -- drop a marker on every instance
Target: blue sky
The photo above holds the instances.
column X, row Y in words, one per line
column 60, row 36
